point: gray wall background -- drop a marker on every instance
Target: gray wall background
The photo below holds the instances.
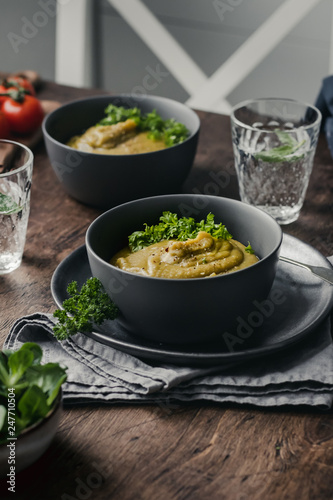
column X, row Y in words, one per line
column 295, row 68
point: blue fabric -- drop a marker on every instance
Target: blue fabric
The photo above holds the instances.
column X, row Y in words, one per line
column 324, row 103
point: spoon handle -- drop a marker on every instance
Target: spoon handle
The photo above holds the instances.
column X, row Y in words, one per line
column 324, row 273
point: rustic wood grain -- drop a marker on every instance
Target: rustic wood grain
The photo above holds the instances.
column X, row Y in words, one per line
column 187, row 452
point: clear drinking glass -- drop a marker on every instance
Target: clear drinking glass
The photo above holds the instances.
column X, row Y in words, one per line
column 16, row 163
column 274, row 142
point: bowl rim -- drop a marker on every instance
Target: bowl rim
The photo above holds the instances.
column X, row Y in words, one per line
column 224, row 276
column 49, row 116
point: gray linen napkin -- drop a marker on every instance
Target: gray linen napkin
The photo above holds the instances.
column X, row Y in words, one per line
column 99, row 373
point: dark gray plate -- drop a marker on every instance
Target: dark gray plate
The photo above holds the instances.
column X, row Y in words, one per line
column 298, row 303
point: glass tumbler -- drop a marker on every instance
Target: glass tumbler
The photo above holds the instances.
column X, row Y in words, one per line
column 16, row 164
column 274, row 142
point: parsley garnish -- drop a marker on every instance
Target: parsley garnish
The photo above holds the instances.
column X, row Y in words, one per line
column 170, row 131
column 116, row 114
column 171, row 227
column 83, row 308
column 288, row 147
column 249, row 249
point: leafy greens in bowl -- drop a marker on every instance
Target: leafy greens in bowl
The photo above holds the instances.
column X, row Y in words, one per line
column 28, row 389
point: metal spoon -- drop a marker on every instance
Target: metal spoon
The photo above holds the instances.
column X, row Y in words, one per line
column 324, row 273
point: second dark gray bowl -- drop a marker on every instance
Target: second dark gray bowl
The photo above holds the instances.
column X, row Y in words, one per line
column 103, row 180
column 184, row 310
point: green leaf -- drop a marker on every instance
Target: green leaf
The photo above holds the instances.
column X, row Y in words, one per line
column 48, row 377
column 35, row 386
column 249, row 249
column 18, row 362
column 35, row 349
column 116, row 114
column 8, row 205
column 175, row 133
column 172, row 227
column 33, row 405
column 3, row 414
column 4, row 375
column 284, row 152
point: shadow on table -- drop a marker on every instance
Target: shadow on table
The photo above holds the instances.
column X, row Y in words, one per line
column 64, row 471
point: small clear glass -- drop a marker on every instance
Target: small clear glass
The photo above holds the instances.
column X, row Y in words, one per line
column 16, row 165
column 274, row 142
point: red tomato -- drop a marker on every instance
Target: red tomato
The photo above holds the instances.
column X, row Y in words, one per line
column 22, row 82
column 23, row 117
column 4, row 127
column 15, row 83
column 3, row 89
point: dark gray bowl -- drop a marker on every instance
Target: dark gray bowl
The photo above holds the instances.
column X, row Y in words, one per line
column 184, row 310
column 105, row 181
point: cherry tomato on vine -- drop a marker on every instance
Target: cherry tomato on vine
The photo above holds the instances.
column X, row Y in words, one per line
column 21, row 82
column 16, row 84
column 23, row 116
column 3, row 90
column 4, row 127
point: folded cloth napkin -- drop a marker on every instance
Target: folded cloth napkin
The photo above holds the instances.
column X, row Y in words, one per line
column 324, row 103
column 98, row 373
column 301, row 375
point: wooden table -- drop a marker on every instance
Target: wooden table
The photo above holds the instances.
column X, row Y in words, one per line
column 195, row 451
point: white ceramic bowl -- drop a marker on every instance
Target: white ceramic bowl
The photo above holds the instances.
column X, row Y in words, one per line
column 31, row 443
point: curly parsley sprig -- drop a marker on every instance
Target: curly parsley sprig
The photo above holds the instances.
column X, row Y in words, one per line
column 83, row 308
column 172, row 227
column 170, row 131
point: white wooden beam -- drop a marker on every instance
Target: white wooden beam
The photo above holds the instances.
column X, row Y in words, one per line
column 161, row 43
column 245, row 59
column 74, row 35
